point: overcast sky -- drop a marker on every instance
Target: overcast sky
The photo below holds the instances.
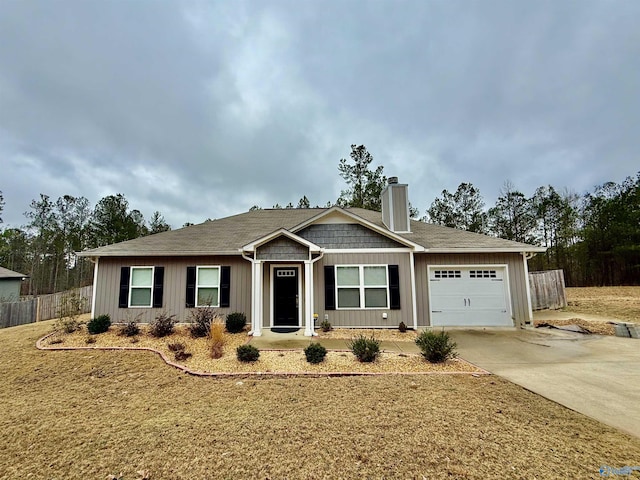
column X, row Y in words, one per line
column 203, row 109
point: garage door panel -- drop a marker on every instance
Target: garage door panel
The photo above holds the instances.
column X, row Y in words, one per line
column 469, row 296
column 462, row 318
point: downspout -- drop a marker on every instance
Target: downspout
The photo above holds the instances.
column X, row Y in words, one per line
column 526, row 256
column 311, row 287
column 253, row 293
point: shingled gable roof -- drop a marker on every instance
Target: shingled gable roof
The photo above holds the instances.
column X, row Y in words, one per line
column 6, row 273
column 227, row 236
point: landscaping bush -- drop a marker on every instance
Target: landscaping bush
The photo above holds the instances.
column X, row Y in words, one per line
column 436, row 347
column 175, row 347
column 200, row 321
column 100, row 324
column 70, row 308
column 129, row 329
column 235, row 322
column 325, row 326
column 366, row 349
column 178, row 351
column 247, row 353
column 315, row 353
column 67, row 325
column 402, row 327
column 216, row 339
column 162, row 325
column 181, row 355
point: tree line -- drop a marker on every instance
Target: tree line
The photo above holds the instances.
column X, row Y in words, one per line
column 593, row 237
column 45, row 247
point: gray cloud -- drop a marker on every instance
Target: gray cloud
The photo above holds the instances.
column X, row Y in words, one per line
column 202, row 109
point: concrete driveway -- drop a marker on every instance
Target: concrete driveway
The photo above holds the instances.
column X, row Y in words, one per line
column 595, row 375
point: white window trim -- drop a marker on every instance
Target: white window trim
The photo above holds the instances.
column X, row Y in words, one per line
column 362, row 287
column 198, row 286
column 150, row 287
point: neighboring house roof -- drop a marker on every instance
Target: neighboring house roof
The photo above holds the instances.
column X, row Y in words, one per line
column 227, row 236
column 6, row 273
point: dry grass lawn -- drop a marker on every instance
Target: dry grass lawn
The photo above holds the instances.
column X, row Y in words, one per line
column 87, row 414
column 620, row 303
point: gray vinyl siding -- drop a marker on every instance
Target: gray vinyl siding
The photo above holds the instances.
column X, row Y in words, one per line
column 386, row 214
column 366, row 318
column 346, row 235
column 10, row 289
column 282, row 248
column 175, row 284
column 515, row 270
column 400, row 209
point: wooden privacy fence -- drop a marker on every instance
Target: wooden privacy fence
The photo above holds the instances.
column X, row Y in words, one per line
column 18, row 313
column 547, row 290
column 49, row 305
column 40, row 308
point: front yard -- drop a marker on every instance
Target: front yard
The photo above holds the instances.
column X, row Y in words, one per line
column 88, row 414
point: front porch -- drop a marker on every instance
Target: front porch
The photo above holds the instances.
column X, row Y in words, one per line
column 282, row 282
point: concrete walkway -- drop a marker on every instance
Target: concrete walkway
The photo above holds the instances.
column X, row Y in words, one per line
column 296, row 340
column 595, row 375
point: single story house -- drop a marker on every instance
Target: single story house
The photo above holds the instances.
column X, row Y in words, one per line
column 293, row 268
column 10, row 282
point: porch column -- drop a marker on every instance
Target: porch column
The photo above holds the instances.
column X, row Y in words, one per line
column 256, row 302
column 308, row 302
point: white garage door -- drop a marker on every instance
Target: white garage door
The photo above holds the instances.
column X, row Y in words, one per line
column 469, row 296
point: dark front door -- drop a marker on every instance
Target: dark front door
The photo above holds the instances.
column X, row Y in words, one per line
column 285, row 296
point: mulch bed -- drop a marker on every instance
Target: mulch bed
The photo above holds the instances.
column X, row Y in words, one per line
column 279, row 363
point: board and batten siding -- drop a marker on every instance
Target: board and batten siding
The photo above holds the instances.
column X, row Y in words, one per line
column 175, row 284
column 515, row 270
column 362, row 318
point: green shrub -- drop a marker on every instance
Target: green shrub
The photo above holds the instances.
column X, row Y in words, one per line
column 325, row 326
column 235, row 322
column 315, row 353
column 402, row 327
column 129, row 329
column 162, row 325
column 200, row 321
column 436, row 347
column 100, row 324
column 366, row 349
column 247, row 353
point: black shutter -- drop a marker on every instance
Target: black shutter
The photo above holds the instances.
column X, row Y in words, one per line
column 158, row 286
column 191, row 287
column 225, row 286
column 329, row 287
column 123, row 300
column 394, row 287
